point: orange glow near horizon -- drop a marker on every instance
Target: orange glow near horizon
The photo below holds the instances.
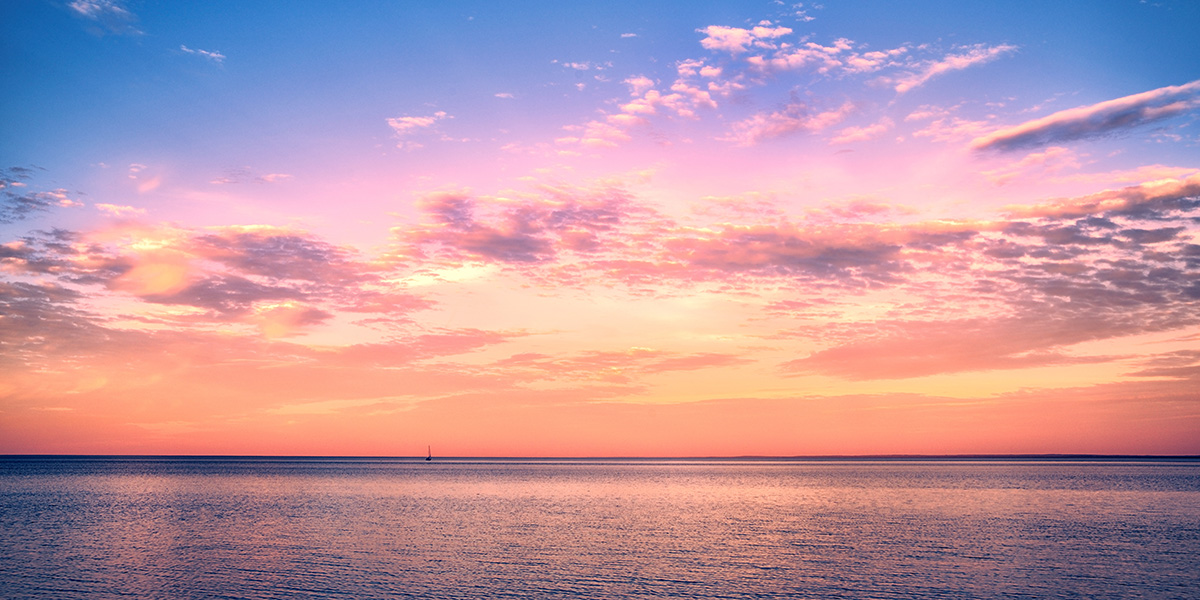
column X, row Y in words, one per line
column 783, row 234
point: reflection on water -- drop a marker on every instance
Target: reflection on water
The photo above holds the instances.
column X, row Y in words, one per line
column 190, row 528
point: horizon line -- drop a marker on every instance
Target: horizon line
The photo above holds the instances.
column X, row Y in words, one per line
column 815, row 457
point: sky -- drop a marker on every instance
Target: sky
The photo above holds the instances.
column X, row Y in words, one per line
column 599, row 229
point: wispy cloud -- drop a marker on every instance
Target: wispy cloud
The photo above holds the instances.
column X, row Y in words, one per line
column 597, row 134
column 533, row 231
column 119, row 211
column 796, row 117
column 974, row 55
column 95, row 9
column 1095, row 120
column 1149, row 200
column 111, row 15
column 247, row 174
column 216, row 57
column 1051, row 161
column 17, row 202
column 736, row 40
column 583, row 66
column 408, row 126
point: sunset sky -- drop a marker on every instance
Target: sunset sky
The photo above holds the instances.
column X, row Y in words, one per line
column 599, row 229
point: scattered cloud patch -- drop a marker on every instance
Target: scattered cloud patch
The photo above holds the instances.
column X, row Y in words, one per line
column 639, row 85
column 796, row 117
column 120, row 211
column 462, row 227
column 110, row 16
column 737, row 40
column 595, row 134
column 613, row 366
column 408, row 126
column 922, row 348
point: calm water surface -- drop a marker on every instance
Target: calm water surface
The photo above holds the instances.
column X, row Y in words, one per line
column 358, row 528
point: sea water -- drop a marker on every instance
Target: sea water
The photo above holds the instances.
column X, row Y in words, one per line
column 406, row 528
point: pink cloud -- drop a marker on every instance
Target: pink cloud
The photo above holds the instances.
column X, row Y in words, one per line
column 616, row 366
column 595, row 134
column 859, row 134
column 533, row 231
column 1145, row 199
column 639, row 85
column 407, row 126
column 18, row 203
column 825, row 58
column 975, row 55
column 214, row 56
column 796, row 117
column 404, row 125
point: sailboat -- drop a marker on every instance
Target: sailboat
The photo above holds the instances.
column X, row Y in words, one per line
column 430, row 457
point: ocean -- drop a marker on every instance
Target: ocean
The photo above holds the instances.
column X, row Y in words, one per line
column 267, row 528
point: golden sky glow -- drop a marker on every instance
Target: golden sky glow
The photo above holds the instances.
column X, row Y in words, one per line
column 729, row 229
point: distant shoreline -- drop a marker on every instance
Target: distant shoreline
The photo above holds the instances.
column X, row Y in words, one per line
column 535, row 459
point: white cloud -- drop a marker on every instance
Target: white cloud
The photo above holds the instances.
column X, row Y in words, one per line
column 407, row 126
column 216, row 57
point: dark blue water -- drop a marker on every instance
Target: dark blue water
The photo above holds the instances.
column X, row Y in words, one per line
column 322, row 528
